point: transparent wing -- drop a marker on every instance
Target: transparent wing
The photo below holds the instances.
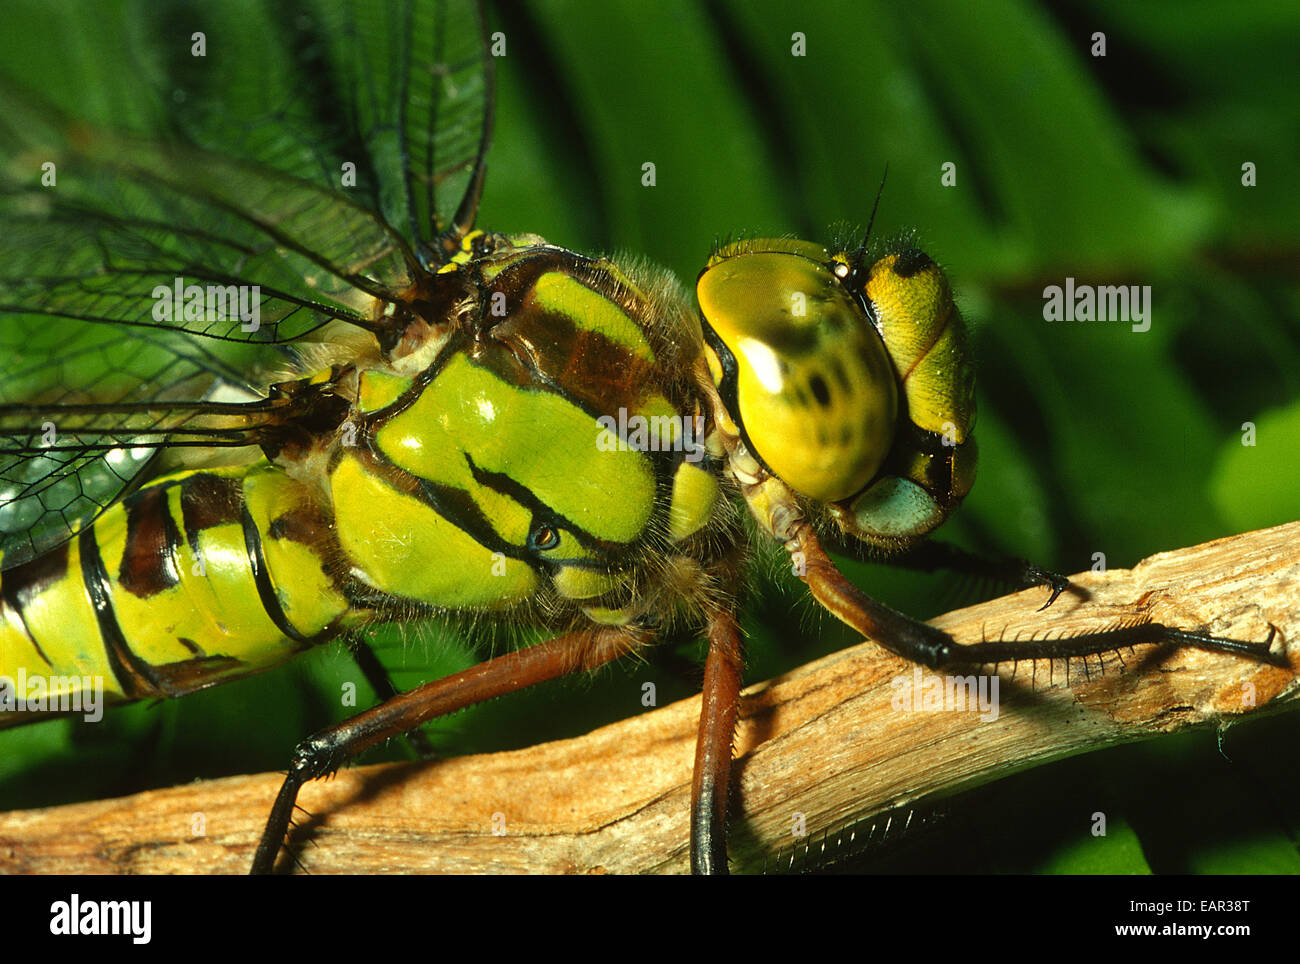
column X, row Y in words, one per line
column 289, row 163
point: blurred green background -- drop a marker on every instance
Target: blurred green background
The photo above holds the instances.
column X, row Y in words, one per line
column 1122, row 169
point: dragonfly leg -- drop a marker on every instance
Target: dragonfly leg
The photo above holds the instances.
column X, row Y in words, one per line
column 377, row 676
column 931, row 555
column 934, row 648
column 327, row 750
column 723, row 670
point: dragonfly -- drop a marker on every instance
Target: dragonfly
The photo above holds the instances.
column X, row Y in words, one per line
column 271, row 456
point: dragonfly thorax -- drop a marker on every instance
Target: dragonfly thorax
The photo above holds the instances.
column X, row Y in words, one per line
column 550, row 450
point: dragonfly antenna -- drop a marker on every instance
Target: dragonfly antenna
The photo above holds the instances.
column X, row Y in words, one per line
column 862, row 251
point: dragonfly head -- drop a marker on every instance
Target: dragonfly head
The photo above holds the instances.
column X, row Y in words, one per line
column 850, row 382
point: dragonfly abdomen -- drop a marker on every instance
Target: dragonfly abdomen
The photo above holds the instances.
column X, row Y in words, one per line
column 195, row 579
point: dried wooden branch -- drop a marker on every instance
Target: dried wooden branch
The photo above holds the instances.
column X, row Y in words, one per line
column 823, row 740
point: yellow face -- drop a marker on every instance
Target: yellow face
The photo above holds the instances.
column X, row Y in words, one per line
column 812, row 386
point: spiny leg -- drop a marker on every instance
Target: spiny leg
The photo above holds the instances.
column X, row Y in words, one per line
column 932, row 555
column 934, row 648
column 377, row 676
column 327, row 750
column 723, row 671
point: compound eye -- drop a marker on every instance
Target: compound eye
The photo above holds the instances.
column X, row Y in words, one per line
column 926, row 338
column 806, row 376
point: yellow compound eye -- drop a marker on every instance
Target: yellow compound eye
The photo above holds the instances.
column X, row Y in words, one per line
column 805, row 375
column 927, row 340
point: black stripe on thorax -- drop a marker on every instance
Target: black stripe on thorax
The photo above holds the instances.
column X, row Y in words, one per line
column 543, row 514
column 455, row 505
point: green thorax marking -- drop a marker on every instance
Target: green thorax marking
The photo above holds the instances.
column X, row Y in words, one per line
column 494, row 458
